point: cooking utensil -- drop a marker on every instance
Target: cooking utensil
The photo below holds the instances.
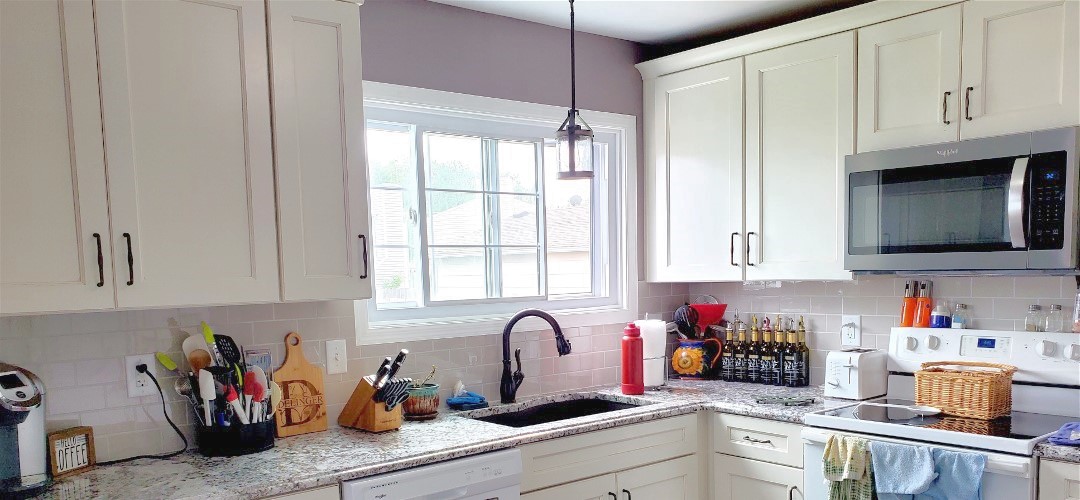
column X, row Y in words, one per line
column 230, row 352
column 168, row 363
column 428, row 378
column 234, row 403
column 208, row 338
column 260, row 394
column 190, row 346
column 275, row 397
column 922, row 411
column 384, row 369
column 397, row 363
column 249, row 392
column 207, row 391
column 305, row 386
column 200, row 359
column 686, row 318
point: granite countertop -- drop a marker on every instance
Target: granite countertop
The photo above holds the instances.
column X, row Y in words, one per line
column 325, row 458
column 1058, row 452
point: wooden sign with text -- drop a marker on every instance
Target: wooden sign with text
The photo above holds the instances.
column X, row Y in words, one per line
column 71, row 451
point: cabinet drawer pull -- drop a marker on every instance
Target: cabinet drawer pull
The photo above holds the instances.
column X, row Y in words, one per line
column 791, row 491
column 100, row 261
column 733, row 235
column 363, row 243
column 131, row 261
column 758, row 441
column 945, row 108
column 967, row 103
column 627, row 494
column 750, row 261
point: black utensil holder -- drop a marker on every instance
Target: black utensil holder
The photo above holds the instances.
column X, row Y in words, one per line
column 236, row 439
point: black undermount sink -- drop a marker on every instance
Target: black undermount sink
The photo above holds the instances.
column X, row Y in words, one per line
column 553, row 412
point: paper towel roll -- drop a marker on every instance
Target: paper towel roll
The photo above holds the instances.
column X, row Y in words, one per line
column 653, row 337
column 654, row 371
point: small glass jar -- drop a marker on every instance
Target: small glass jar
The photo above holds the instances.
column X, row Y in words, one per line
column 1035, row 321
column 1055, row 320
column 961, row 318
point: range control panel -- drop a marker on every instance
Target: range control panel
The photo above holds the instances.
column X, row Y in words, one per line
column 1044, row 357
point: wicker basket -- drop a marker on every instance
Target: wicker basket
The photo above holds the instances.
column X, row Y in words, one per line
column 978, row 394
column 997, row 427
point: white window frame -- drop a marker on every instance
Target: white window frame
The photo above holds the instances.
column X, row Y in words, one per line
column 620, row 306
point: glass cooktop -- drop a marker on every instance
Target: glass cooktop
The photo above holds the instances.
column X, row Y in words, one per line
column 1019, row 425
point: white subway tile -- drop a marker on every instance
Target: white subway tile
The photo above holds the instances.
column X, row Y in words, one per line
column 294, row 310
column 99, row 371
column 1037, row 286
column 992, row 286
column 75, row 399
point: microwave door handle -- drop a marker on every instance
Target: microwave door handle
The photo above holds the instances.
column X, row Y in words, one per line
column 1016, row 203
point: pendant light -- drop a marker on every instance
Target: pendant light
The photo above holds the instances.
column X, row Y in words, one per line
column 574, row 139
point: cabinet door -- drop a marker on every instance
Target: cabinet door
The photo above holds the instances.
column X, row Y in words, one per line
column 1021, row 67
column 694, row 196
column 1059, row 480
column 742, row 478
column 672, row 480
column 54, row 227
column 800, row 123
column 909, row 75
column 597, row 488
column 319, row 143
column 187, row 133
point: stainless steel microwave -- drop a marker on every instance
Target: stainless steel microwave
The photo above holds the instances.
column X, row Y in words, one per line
column 1006, row 203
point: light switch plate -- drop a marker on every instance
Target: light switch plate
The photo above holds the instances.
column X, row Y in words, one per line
column 139, row 384
column 851, row 330
column 336, row 360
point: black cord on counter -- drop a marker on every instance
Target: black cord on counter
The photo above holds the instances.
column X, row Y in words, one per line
column 142, row 369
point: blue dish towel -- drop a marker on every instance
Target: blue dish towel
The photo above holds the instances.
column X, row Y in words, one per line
column 1067, row 435
column 468, row 399
column 901, row 470
column 959, row 476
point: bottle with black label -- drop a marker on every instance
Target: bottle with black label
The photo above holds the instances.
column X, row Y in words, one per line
column 791, row 358
column 727, row 358
column 753, row 353
column 778, row 352
column 804, row 355
column 767, row 362
column 739, row 355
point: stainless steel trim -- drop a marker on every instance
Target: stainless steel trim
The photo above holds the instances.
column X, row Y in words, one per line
column 1016, row 203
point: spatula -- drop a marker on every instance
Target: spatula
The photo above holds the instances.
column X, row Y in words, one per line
column 208, row 391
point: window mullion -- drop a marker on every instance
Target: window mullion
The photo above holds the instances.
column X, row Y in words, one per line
column 420, row 165
column 491, row 214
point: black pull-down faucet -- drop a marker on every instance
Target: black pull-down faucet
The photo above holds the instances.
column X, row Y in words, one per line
column 510, row 382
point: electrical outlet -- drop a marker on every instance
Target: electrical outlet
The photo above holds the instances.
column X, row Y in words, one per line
column 851, row 330
column 139, row 384
column 336, row 361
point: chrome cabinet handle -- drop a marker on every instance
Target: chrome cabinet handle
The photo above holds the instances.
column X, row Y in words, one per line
column 791, row 491
column 733, row 235
column 967, row 103
column 100, row 261
column 131, row 261
column 627, row 494
column 758, row 441
column 749, row 261
column 945, row 108
column 363, row 241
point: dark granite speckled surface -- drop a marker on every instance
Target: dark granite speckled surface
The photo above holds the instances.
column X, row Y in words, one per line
column 1058, row 452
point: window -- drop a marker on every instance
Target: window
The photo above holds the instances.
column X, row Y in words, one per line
column 470, row 224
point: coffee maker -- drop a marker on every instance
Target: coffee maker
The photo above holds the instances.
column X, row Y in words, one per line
column 23, row 460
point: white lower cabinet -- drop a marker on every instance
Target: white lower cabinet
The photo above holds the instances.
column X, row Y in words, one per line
column 671, row 480
column 324, row 493
column 736, row 478
column 1059, row 480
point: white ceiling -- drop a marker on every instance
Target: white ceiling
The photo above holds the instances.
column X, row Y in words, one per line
column 648, row 21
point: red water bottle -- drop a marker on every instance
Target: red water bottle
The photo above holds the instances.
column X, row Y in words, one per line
column 633, row 371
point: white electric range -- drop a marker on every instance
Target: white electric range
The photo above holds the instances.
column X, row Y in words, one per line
column 1046, row 394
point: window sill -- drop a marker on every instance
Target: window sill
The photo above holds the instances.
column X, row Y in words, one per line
column 468, row 326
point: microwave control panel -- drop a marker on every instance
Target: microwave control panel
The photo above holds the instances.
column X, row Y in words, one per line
column 1047, row 201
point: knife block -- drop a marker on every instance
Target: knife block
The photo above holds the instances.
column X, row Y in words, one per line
column 364, row 413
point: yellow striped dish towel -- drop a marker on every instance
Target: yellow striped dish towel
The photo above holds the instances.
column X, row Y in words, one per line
column 847, row 470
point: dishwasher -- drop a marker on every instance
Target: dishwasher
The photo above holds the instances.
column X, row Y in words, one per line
column 491, row 476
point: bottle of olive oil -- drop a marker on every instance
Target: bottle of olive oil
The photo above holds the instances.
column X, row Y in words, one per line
column 767, row 362
column 739, row 355
column 778, row 352
column 727, row 358
column 791, row 358
column 804, row 355
column 753, row 353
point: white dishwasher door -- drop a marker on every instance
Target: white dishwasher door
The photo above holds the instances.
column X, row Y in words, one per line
column 491, row 476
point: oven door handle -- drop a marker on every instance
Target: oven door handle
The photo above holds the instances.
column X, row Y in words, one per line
column 1016, row 203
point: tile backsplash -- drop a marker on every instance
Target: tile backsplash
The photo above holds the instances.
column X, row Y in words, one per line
column 80, row 357
column 995, row 303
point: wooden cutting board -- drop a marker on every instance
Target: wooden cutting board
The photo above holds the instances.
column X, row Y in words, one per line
column 303, row 396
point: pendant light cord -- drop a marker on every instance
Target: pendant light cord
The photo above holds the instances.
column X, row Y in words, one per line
column 573, row 65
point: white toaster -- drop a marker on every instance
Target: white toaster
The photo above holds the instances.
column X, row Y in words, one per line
column 856, row 374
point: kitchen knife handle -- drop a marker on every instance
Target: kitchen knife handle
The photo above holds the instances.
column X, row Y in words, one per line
column 733, row 235
column 100, row 261
column 131, row 261
column 967, row 103
column 363, row 244
column 945, row 108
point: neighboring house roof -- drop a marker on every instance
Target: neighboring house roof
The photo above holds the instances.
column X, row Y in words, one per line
column 464, row 225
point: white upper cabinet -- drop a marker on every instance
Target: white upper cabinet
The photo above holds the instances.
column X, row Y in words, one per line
column 800, row 123
column 909, row 78
column 187, row 136
column 694, row 174
column 319, row 141
column 54, row 227
column 1021, row 67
